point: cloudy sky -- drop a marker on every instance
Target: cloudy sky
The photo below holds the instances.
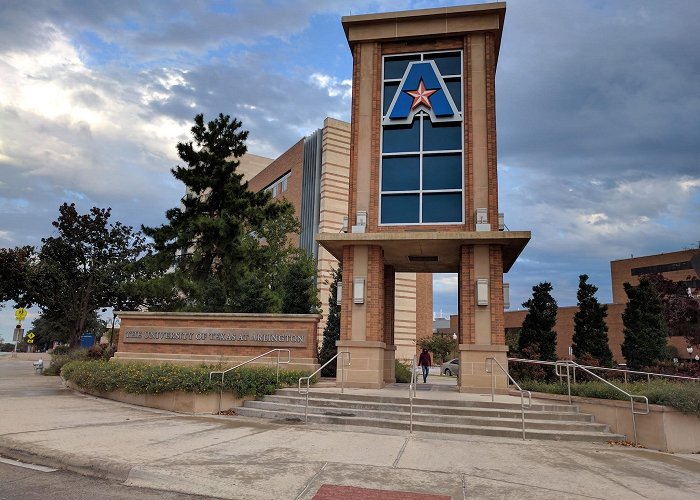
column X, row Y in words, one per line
column 598, row 115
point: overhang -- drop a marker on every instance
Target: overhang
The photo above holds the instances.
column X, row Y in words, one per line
column 427, row 252
column 426, row 23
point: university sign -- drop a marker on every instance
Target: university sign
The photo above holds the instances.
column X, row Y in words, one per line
column 215, row 336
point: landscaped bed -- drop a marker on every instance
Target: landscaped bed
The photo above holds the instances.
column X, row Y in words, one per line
column 683, row 396
column 142, row 378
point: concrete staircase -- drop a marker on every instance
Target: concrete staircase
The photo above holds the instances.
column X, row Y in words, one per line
column 445, row 416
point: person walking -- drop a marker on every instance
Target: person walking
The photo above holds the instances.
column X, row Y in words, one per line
column 424, row 362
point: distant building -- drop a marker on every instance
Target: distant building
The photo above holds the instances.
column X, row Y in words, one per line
column 675, row 266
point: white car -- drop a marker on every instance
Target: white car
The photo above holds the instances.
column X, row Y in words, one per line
column 450, row 367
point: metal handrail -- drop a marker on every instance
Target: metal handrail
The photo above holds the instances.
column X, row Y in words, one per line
column 224, row 372
column 602, row 368
column 489, row 369
column 308, row 381
column 412, row 393
column 568, row 363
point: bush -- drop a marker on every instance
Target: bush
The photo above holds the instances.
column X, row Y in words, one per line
column 141, row 378
column 7, row 347
column 59, row 360
column 684, row 396
column 403, row 372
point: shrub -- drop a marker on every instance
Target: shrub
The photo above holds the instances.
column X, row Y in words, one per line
column 684, row 396
column 61, row 350
column 59, row 360
column 7, row 347
column 403, row 372
column 141, row 378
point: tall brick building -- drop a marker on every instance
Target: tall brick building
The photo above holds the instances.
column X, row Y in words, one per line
column 314, row 176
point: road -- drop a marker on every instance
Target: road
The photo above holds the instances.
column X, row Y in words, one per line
column 17, row 482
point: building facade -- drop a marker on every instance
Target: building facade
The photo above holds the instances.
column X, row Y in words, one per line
column 314, row 176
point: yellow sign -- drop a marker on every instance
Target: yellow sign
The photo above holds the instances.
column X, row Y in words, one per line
column 20, row 314
column 31, row 335
column 30, row 341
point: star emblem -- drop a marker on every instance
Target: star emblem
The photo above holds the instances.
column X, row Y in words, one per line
column 421, row 95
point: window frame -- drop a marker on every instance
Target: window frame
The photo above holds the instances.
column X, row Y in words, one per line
column 421, row 153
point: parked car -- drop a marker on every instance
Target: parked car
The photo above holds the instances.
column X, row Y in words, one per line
column 450, row 367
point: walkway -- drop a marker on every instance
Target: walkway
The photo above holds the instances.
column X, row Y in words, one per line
column 235, row 457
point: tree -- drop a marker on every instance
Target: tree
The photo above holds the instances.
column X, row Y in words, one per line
column 537, row 339
column 14, row 267
column 590, row 330
column 331, row 333
column 81, row 269
column 680, row 310
column 222, row 230
column 298, row 287
column 645, row 329
column 440, row 346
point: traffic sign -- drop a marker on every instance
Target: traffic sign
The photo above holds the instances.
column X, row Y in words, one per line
column 20, row 314
column 31, row 335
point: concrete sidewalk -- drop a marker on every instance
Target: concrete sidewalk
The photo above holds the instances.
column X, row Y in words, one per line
column 235, row 457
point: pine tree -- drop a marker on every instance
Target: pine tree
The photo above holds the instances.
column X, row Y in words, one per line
column 221, row 229
column 299, row 294
column 331, row 333
column 644, row 326
column 538, row 340
column 590, row 331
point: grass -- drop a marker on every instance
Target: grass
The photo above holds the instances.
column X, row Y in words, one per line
column 142, row 378
column 683, row 396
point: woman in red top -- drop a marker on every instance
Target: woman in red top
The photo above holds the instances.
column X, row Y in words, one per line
column 424, row 362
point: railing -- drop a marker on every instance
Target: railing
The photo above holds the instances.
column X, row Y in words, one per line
column 572, row 365
column 224, row 372
column 648, row 375
column 489, row 369
column 412, row 393
column 569, row 363
column 308, row 380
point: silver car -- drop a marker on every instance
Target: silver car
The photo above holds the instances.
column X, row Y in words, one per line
column 450, row 367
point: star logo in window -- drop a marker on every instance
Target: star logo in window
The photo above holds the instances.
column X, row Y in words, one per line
column 421, row 95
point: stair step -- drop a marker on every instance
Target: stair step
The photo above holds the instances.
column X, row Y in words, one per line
column 513, row 421
column 297, row 417
column 430, row 408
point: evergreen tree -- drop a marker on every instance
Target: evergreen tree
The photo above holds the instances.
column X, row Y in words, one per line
column 590, row 331
column 681, row 311
column 644, row 326
column 222, row 229
column 331, row 333
column 299, row 294
column 537, row 339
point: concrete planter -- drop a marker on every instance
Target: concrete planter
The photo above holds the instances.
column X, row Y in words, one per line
column 664, row 429
column 178, row 401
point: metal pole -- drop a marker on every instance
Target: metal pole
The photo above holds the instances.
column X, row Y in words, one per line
column 306, row 408
column 493, row 382
column 522, row 412
column 568, row 381
column 634, row 421
column 278, row 368
column 342, row 373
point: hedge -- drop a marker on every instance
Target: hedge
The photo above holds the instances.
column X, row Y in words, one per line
column 684, row 396
column 142, row 378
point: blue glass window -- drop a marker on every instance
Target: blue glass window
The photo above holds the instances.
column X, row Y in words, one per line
column 395, row 67
column 442, row 136
column 402, row 138
column 442, row 207
column 455, row 89
column 420, row 182
column 442, row 172
column 400, row 208
column 447, row 63
column 401, row 173
column 389, row 91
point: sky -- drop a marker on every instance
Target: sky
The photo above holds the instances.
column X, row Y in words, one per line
column 598, row 115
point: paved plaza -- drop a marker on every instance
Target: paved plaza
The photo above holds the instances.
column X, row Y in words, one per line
column 242, row 458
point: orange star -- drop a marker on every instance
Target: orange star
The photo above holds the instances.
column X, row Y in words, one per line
column 420, row 95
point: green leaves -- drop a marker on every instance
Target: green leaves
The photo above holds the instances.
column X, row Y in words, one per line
column 644, row 326
column 141, row 378
column 538, row 340
column 590, row 330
